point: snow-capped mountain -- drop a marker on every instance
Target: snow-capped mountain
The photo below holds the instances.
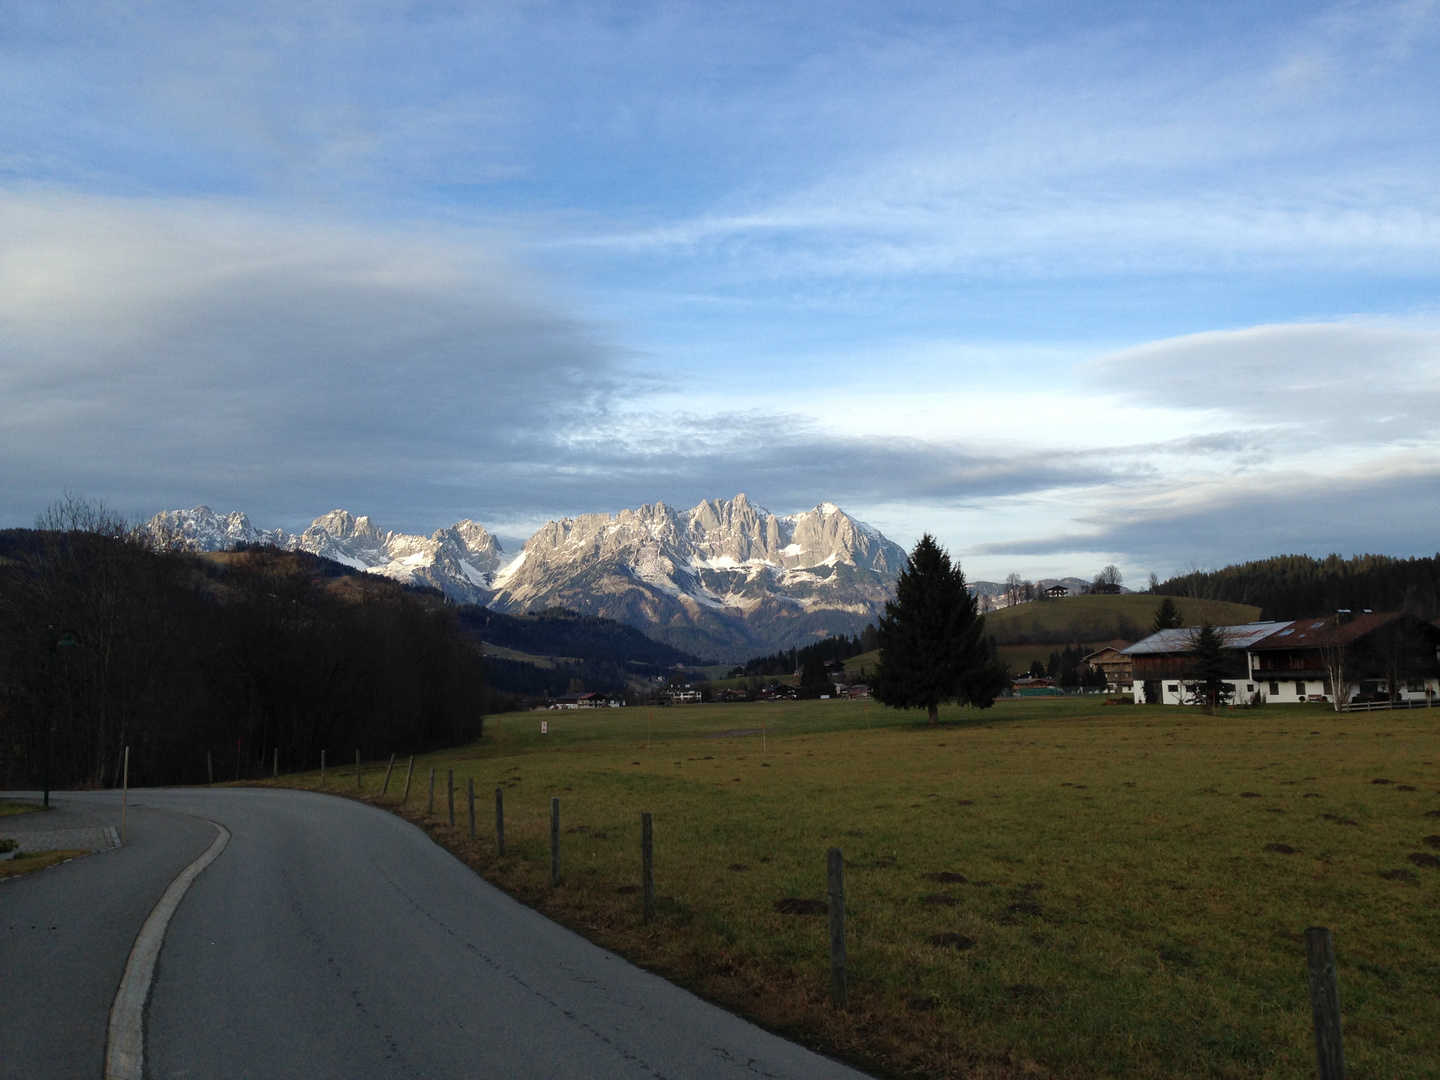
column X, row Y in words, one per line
column 461, row 560
column 726, row 578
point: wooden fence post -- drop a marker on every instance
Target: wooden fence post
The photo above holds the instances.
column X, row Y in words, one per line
column 408, row 771
column 322, row 766
column 450, row 789
column 357, row 769
column 1325, row 1003
column 555, row 840
column 430, row 806
column 836, row 890
column 500, row 820
column 388, row 770
column 209, row 769
column 277, row 763
column 470, row 797
column 125, row 795
column 647, row 864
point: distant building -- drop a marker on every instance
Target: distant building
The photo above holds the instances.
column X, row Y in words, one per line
column 1105, row 588
column 1384, row 656
column 586, row 701
column 1119, row 668
column 1057, row 592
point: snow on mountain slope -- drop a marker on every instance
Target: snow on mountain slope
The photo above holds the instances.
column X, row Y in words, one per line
column 201, row 529
column 461, row 560
column 725, row 579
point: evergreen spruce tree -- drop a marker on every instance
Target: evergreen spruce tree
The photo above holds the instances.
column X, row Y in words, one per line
column 1167, row 616
column 932, row 639
column 1209, row 650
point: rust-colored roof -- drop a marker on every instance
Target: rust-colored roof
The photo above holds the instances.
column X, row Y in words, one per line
column 1326, row 630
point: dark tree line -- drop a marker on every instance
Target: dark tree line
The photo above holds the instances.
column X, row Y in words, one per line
column 792, row 661
column 1295, row 586
column 239, row 655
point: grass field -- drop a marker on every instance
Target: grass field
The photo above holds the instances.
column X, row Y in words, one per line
column 11, row 807
column 1124, row 888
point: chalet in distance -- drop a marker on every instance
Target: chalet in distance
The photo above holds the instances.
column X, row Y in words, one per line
column 1383, row 657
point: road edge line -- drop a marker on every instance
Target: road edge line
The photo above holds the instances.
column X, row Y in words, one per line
column 125, row 1039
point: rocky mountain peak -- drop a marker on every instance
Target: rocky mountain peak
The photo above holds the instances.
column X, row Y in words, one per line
column 725, row 578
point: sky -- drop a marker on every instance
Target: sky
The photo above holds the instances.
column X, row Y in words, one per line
column 1064, row 284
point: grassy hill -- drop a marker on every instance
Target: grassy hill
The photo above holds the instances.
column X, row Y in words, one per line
column 1089, row 619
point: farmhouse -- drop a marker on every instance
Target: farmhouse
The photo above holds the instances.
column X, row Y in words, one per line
column 1119, row 668
column 586, row 701
column 1390, row 657
column 1057, row 592
column 1378, row 656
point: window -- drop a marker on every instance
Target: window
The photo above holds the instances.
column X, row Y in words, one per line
column 1249, row 688
column 1299, row 689
column 1173, row 688
column 1274, row 688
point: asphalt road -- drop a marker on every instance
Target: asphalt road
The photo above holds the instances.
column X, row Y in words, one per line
column 331, row 939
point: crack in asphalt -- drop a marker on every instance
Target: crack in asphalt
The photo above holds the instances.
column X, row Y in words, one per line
column 569, row 1014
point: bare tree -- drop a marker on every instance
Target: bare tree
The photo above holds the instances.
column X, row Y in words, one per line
column 1333, row 657
column 1013, row 585
column 1109, row 576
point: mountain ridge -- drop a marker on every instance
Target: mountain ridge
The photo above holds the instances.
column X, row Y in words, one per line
column 724, row 578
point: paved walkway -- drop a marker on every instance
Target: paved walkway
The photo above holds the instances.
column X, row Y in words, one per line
column 66, row 826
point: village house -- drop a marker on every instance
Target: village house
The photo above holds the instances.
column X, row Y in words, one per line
column 1391, row 657
column 586, row 701
column 1118, row 666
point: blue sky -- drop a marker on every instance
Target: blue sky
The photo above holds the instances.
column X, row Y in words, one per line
column 1063, row 284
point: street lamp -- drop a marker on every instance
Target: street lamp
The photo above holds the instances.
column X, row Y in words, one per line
column 66, row 640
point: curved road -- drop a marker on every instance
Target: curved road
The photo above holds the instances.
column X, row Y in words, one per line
column 331, row 939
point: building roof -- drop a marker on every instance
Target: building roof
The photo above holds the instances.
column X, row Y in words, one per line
column 1326, row 630
column 1106, row 652
column 1181, row 640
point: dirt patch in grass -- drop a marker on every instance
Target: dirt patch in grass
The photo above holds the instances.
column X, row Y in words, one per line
column 958, row 942
column 795, row 905
column 1399, row 875
column 1282, row 849
column 948, row 877
column 1424, row 858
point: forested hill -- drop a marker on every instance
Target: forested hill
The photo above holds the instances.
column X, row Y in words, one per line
column 1294, row 586
column 107, row 643
column 561, row 632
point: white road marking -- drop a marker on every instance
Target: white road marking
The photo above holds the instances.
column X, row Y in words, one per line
column 125, row 1042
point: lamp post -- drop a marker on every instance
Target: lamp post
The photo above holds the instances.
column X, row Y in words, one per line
column 67, row 639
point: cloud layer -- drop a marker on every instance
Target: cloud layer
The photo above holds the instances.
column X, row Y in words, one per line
column 1142, row 285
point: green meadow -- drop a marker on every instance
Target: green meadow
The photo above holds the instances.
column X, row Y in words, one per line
column 1045, row 888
